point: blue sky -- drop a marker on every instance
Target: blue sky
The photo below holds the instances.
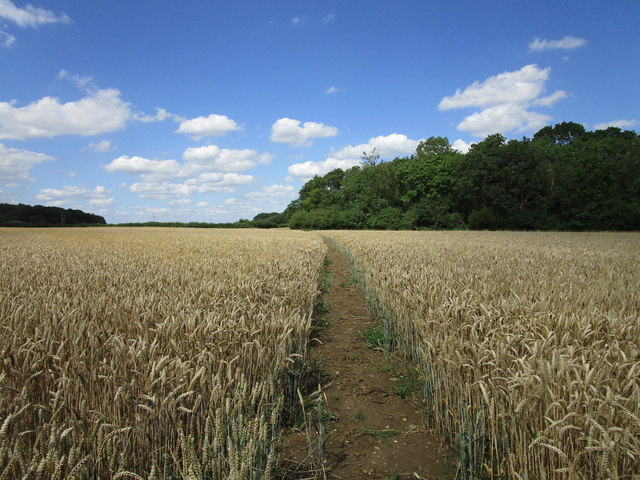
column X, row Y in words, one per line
column 215, row 111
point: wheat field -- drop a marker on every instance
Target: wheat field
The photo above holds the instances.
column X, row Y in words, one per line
column 528, row 344
column 150, row 353
column 172, row 353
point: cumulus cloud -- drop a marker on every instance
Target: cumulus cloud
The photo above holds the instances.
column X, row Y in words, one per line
column 505, row 101
column 616, row 123
column 100, row 112
column 293, row 132
column 309, row 169
column 212, row 126
column 214, row 158
column 566, row 43
column 461, row 146
column 162, row 190
column 503, row 118
column 216, row 181
column 273, row 194
column 332, row 90
column 205, row 169
column 15, row 165
column 144, row 166
column 388, row 146
column 68, row 194
column 521, row 86
column 30, row 16
column 203, row 183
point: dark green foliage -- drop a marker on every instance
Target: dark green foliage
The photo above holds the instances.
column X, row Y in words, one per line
column 242, row 223
column 565, row 178
column 269, row 220
column 262, row 220
column 40, row 216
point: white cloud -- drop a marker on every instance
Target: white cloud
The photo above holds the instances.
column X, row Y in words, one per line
column 505, row 100
column 332, row 90
column 503, row 118
column 203, row 183
column 296, row 20
column 566, row 43
column 616, row 123
column 162, row 190
column 6, row 40
column 273, row 194
column 216, row 181
column 550, row 100
column 30, row 16
column 160, row 116
column 214, row 158
column 102, row 111
column 103, row 202
column 202, row 204
column 86, row 84
column 212, row 126
column 144, row 166
column 198, row 160
column 388, row 146
column 289, row 130
column 65, row 195
column 102, row 146
column 521, row 86
column 15, row 165
column 206, row 169
column 461, row 146
column 309, row 169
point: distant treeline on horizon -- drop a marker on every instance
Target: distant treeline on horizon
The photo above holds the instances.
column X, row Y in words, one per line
column 21, row 215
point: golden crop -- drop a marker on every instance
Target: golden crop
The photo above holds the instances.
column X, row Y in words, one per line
column 150, row 353
column 528, row 343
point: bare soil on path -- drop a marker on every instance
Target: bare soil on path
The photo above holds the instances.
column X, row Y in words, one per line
column 369, row 431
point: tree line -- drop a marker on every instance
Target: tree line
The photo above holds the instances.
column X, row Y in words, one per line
column 564, row 178
column 20, row 215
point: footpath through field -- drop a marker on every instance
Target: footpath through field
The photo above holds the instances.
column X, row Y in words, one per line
column 368, row 429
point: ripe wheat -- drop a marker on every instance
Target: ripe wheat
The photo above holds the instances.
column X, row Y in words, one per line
column 150, row 353
column 528, row 344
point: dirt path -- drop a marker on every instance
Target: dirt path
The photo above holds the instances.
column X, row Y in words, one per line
column 369, row 431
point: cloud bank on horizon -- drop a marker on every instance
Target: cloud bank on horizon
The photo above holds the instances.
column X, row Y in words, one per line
column 216, row 125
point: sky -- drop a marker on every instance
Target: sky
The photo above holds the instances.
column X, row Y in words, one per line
column 208, row 110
